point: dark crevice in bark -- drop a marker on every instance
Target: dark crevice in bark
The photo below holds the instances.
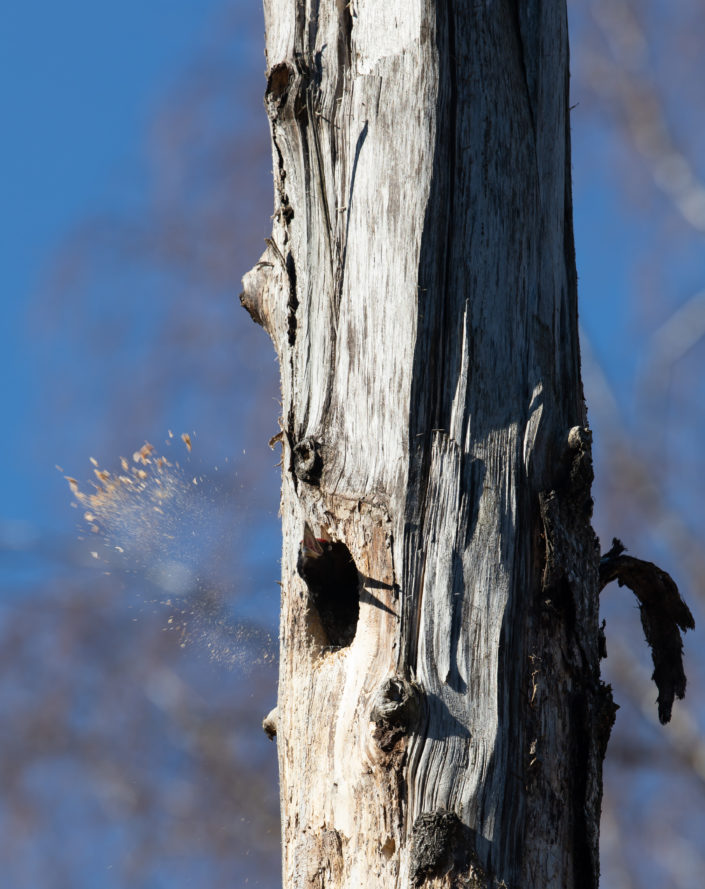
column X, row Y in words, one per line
column 527, row 78
column 344, row 48
column 605, row 715
column 290, row 437
column 313, row 22
column 292, row 306
column 345, row 32
column 585, row 875
column 299, row 25
column 275, row 100
column 293, row 302
column 453, row 678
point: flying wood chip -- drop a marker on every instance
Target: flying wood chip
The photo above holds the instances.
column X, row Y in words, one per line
column 663, row 615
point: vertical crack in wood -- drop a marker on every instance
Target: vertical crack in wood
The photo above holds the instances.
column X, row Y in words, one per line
column 520, row 14
column 320, row 182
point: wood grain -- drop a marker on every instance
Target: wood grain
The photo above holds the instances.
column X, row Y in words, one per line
column 420, row 291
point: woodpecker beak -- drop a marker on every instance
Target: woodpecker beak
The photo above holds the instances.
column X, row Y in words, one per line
column 310, row 547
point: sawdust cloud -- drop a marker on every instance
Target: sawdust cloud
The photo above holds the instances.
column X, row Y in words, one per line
column 153, row 518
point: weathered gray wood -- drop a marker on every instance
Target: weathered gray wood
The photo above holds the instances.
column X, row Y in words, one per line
column 419, row 287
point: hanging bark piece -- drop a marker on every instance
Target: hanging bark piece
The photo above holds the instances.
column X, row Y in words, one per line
column 663, row 612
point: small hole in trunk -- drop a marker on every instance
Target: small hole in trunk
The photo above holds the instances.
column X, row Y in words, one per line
column 330, row 574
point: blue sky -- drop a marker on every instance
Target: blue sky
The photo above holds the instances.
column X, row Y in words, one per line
column 80, row 82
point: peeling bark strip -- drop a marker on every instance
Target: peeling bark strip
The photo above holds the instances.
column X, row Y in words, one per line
column 419, row 287
column 663, row 615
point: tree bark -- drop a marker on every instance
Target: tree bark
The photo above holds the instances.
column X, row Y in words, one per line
column 420, row 290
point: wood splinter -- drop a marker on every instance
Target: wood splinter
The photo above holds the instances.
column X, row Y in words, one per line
column 663, row 615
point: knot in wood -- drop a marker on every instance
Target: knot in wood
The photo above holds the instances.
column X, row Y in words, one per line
column 269, row 724
column 278, row 81
column 578, row 457
column 397, row 702
column 251, row 296
column 441, row 845
column 579, row 438
column 433, row 838
column 255, row 286
column 308, row 462
column 395, row 711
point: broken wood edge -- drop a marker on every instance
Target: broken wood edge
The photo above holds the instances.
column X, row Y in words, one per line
column 269, row 724
column 262, row 284
column 664, row 615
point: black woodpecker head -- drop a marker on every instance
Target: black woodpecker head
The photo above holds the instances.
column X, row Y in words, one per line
column 310, row 552
column 330, row 574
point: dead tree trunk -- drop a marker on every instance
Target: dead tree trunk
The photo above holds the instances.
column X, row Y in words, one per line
column 420, row 290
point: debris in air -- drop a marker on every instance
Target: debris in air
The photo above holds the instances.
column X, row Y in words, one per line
column 157, row 521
